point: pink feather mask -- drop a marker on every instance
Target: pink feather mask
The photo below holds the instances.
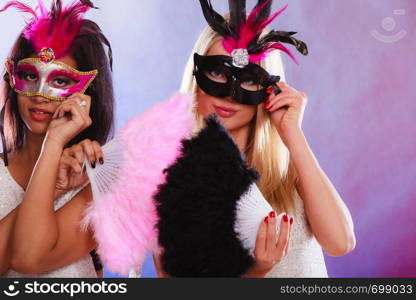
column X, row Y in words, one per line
column 52, row 34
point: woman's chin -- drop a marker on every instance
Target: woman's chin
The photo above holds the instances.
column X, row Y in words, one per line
column 38, row 129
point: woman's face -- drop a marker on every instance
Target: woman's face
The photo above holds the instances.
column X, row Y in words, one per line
column 36, row 111
column 232, row 115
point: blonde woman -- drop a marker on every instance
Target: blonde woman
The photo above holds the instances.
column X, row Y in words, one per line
column 270, row 135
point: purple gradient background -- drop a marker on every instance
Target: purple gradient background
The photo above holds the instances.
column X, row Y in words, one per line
column 360, row 116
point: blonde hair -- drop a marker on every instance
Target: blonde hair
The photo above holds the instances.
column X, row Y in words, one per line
column 266, row 151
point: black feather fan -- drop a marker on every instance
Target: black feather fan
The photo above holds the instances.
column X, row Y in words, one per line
column 197, row 207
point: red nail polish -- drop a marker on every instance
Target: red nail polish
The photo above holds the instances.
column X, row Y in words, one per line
column 270, row 90
column 285, row 218
column 272, row 214
column 266, row 220
column 291, row 220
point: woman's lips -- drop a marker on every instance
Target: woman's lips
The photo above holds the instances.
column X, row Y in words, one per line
column 39, row 114
column 224, row 112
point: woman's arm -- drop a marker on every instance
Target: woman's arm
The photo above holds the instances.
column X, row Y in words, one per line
column 327, row 213
column 158, row 267
column 329, row 217
column 6, row 230
column 6, row 227
column 44, row 239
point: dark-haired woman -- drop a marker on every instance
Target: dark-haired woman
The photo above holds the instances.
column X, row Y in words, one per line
column 58, row 98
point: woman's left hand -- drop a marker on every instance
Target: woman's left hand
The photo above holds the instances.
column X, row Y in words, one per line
column 70, row 172
column 287, row 110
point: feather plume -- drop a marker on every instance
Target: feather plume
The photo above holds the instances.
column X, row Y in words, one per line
column 55, row 29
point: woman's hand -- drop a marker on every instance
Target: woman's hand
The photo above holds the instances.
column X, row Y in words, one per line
column 158, row 266
column 287, row 110
column 270, row 249
column 69, row 119
column 70, row 172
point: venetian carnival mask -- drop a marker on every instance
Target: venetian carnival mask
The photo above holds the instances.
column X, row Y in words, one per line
column 217, row 76
column 53, row 80
column 248, row 43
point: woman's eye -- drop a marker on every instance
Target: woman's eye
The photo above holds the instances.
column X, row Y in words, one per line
column 216, row 74
column 30, row 77
column 62, row 82
column 249, row 82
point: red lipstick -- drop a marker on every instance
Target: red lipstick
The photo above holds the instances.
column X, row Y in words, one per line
column 224, row 112
column 39, row 115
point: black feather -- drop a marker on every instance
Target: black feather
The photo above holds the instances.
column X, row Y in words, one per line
column 264, row 13
column 88, row 3
column 215, row 20
column 238, row 13
column 197, row 207
column 280, row 36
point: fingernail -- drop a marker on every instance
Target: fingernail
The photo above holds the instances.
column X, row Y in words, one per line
column 291, row 220
column 272, row 214
column 101, row 161
column 285, row 218
column 93, row 164
column 266, row 220
column 270, row 90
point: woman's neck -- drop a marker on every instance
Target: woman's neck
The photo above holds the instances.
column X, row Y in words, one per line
column 240, row 136
column 30, row 151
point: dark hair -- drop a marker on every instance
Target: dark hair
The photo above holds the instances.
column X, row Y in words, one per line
column 88, row 51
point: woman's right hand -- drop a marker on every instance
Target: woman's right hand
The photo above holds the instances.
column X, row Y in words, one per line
column 270, row 249
column 71, row 173
column 70, row 118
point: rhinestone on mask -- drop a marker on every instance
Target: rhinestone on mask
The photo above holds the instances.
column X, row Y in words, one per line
column 240, row 58
column 46, row 55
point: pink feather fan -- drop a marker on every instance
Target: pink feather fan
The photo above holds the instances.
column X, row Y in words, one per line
column 124, row 217
column 55, row 29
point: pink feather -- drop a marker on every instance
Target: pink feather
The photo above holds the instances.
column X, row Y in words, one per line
column 251, row 29
column 20, row 7
column 254, row 58
column 59, row 33
column 42, row 7
column 229, row 44
column 124, row 220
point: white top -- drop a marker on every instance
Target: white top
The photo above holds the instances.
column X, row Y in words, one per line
column 11, row 194
column 304, row 257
